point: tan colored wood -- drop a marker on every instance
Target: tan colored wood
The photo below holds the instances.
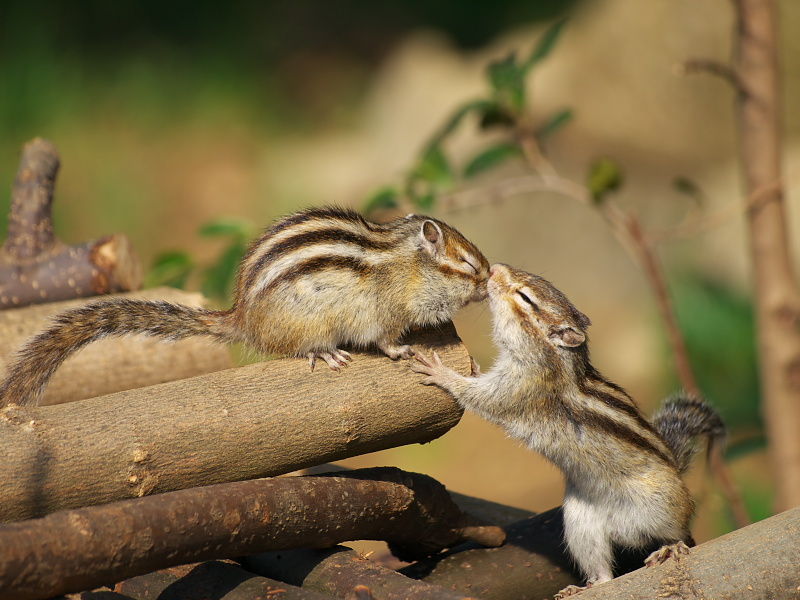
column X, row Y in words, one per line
column 113, row 364
column 256, row 421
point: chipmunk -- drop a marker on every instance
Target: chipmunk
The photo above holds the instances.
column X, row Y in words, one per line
column 623, row 484
column 314, row 281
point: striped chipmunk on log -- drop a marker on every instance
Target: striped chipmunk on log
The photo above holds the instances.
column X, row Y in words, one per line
column 623, row 473
column 313, row 282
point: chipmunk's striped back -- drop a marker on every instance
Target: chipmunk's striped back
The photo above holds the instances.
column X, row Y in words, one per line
column 313, row 281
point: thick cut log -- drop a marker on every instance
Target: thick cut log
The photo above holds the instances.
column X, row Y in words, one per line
column 344, row 573
column 757, row 562
column 34, row 265
column 216, row 579
column 74, row 550
column 113, row 364
column 256, row 421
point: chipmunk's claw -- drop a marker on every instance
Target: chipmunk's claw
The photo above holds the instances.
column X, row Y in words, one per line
column 664, row 553
column 433, row 367
column 335, row 359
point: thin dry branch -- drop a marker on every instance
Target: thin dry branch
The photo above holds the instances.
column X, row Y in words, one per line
column 113, row 364
column 73, row 550
column 34, row 265
column 255, row 421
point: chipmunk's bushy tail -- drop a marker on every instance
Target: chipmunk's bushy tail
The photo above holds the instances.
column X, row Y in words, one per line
column 38, row 359
column 682, row 419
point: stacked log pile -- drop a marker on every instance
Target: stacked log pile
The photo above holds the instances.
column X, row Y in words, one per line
column 165, row 484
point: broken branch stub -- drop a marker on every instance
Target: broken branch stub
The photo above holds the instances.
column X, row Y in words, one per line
column 80, row 549
column 35, row 266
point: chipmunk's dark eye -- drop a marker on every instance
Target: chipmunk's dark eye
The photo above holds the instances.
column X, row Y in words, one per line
column 528, row 300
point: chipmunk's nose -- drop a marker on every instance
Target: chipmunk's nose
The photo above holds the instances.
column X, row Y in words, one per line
column 496, row 268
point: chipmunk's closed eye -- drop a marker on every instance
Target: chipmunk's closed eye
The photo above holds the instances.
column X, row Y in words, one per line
column 526, row 299
column 470, row 265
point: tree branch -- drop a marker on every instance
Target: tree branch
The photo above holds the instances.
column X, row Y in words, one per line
column 775, row 285
column 73, row 550
column 34, row 265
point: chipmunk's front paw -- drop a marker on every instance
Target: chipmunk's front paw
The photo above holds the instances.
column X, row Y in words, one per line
column 437, row 373
column 335, row 359
column 664, row 553
column 396, row 352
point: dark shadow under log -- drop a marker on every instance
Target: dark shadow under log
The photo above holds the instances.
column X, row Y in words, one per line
column 215, row 580
column 35, row 266
column 340, row 571
column 80, row 549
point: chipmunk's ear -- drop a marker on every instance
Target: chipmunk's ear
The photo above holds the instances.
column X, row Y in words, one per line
column 432, row 237
column 567, row 336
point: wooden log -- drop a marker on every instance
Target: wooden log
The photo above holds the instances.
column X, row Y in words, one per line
column 255, row 421
column 216, row 579
column 113, row 364
column 757, row 561
column 73, row 550
column 34, row 265
column 340, row 571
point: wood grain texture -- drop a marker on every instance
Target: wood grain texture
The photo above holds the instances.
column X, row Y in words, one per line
column 113, row 364
column 256, row 421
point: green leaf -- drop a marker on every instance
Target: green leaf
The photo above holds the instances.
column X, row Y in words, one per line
column 605, row 176
column 385, row 197
column 688, row 187
column 495, row 116
column 434, row 167
column 554, row 123
column 491, row 157
column 227, row 228
column 455, row 119
column 546, row 44
column 508, row 82
column 218, row 278
column 170, row 268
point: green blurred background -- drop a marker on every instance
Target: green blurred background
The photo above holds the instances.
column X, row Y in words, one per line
column 190, row 125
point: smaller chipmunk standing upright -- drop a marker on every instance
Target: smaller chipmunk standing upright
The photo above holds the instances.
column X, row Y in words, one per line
column 314, row 281
column 623, row 484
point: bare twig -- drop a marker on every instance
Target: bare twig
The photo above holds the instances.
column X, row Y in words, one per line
column 714, row 67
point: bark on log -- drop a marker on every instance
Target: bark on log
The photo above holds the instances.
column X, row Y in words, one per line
column 113, row 364
column 212, row 580
column 80, row 549
column 34, row 265
column 255, row 421
column 339, row 571
column 756, row 562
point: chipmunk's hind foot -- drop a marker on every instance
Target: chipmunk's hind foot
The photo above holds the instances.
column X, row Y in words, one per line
column 664, row 553
column 569, row 591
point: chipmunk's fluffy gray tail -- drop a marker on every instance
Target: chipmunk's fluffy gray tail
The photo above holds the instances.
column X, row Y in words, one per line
column 680, row 420
column 38, row 359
